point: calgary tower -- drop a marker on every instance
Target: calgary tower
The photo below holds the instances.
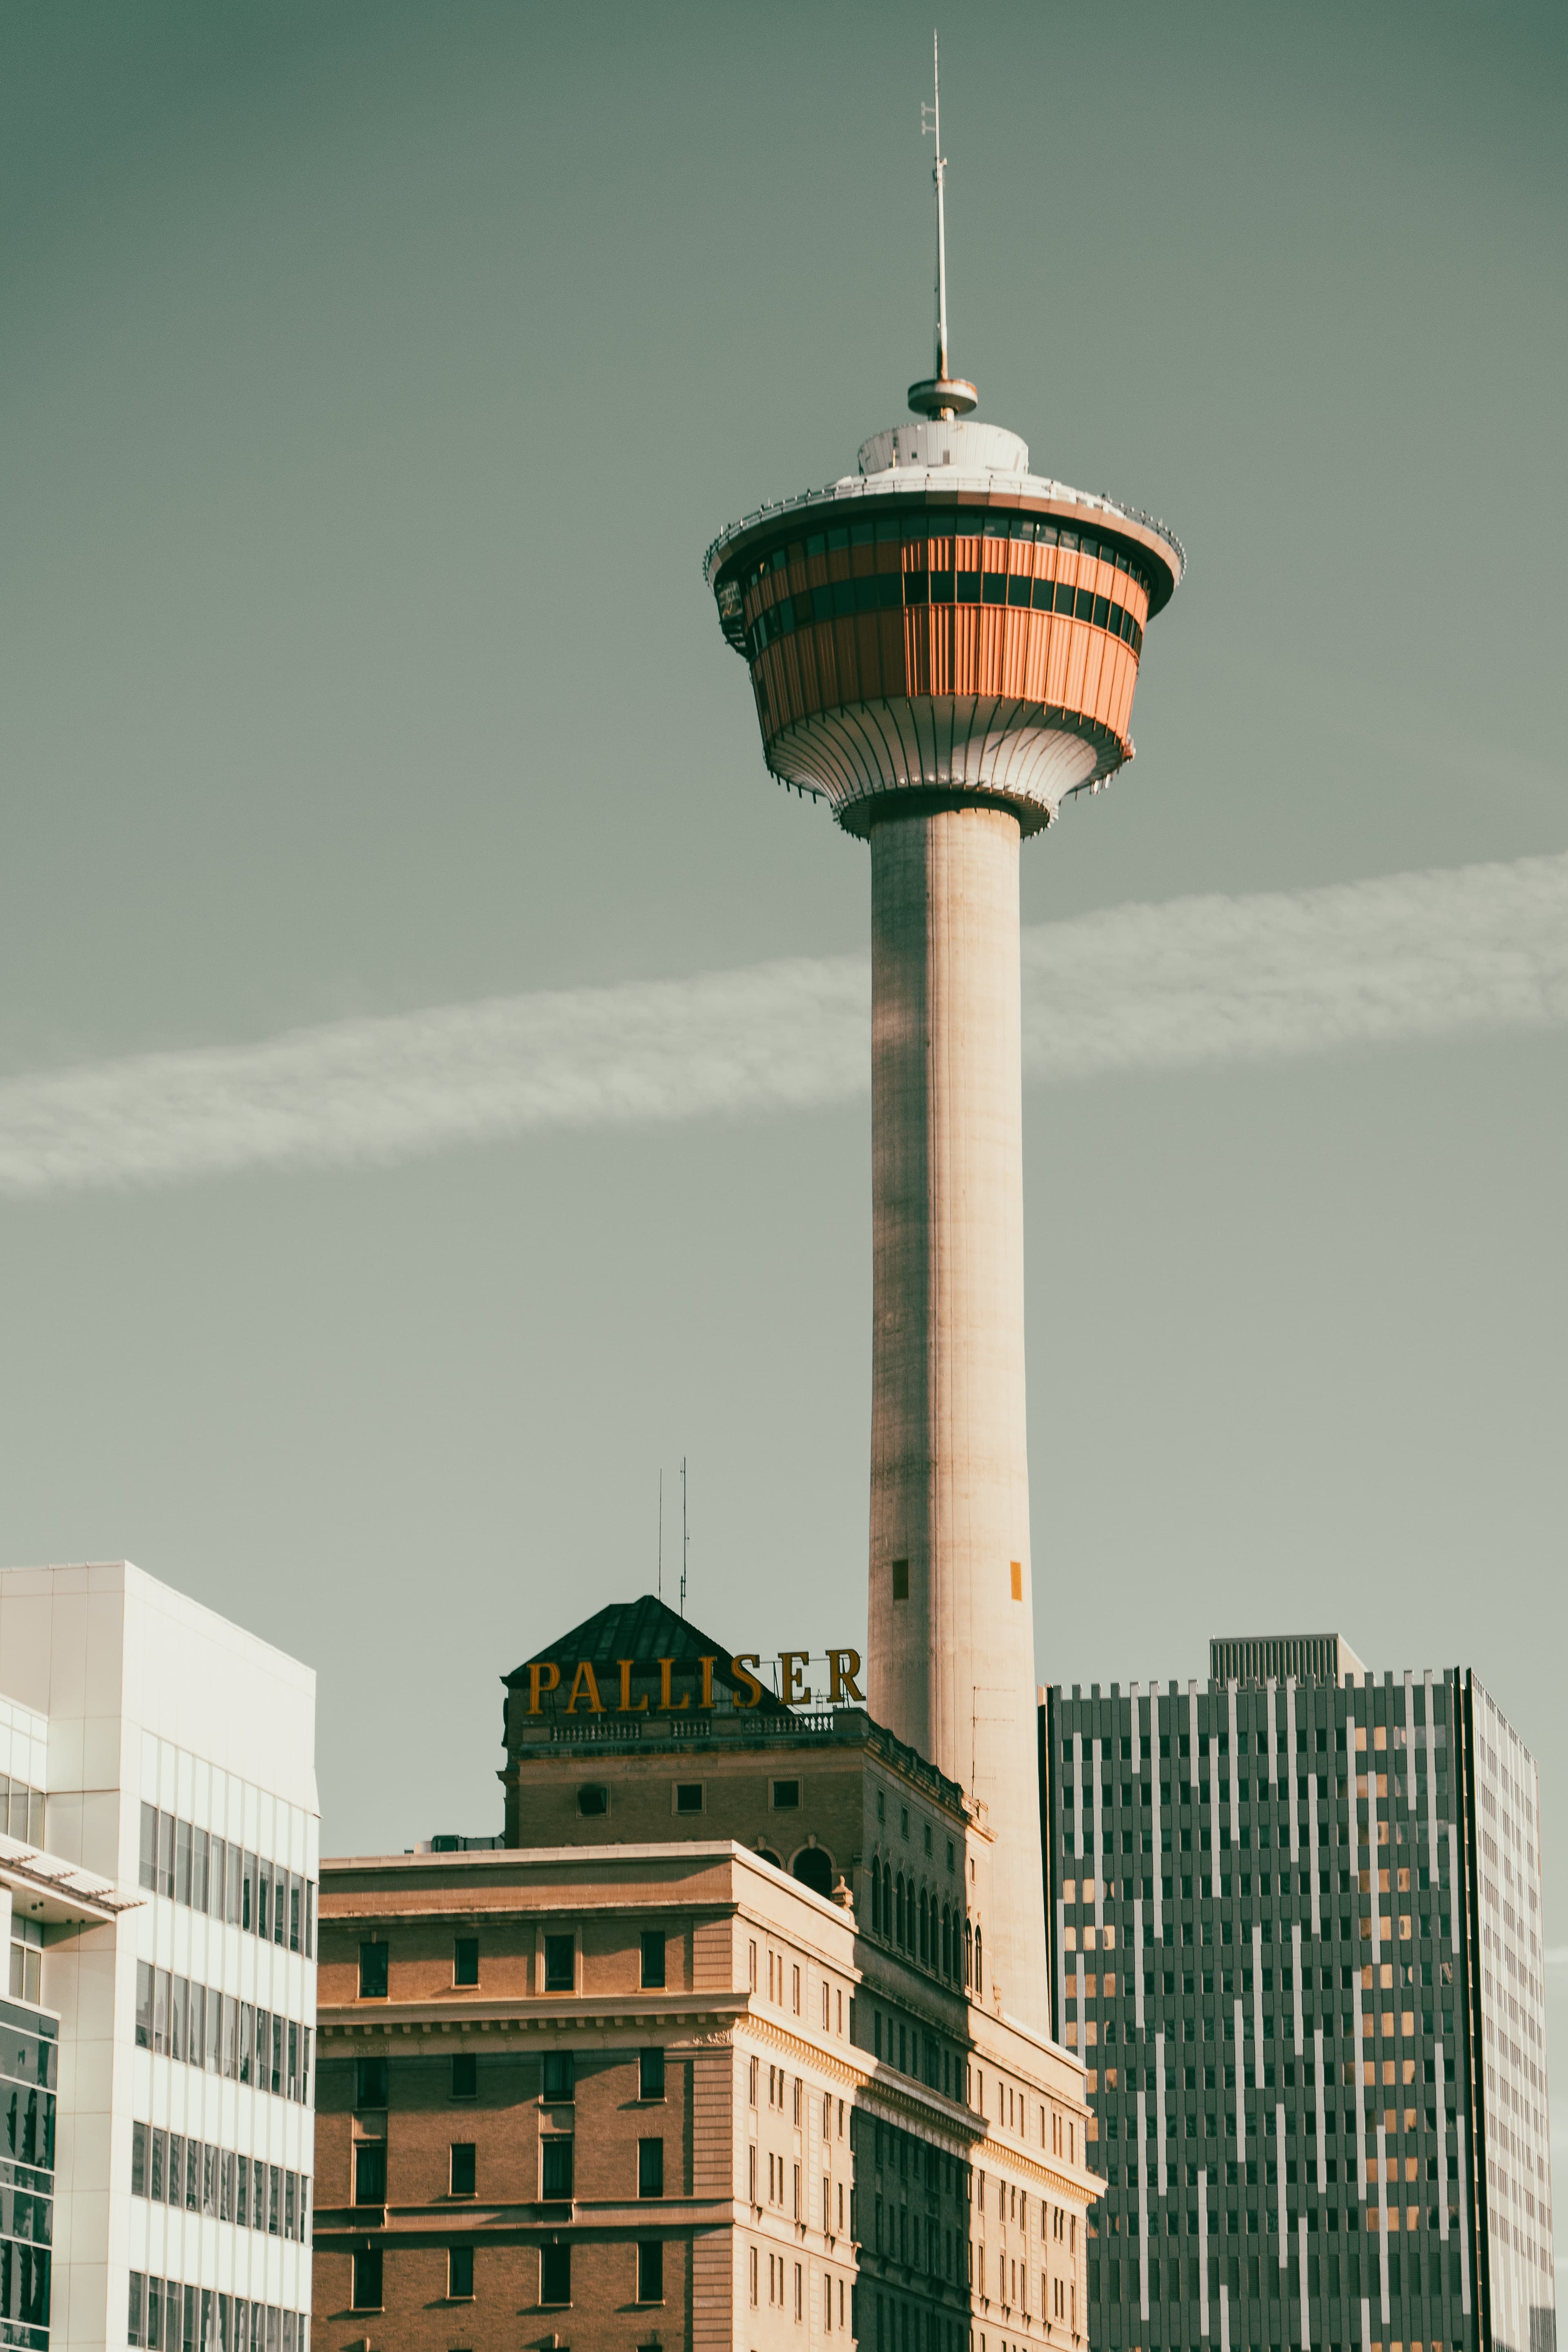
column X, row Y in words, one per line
column 943, row 646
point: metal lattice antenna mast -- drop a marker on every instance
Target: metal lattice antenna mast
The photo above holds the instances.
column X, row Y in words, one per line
column 931, row 120
column 661, row 1534
column 684, row 1539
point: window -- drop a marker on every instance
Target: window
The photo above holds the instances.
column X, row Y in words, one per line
column 560, row 1964
column 459, row 2273
column 369, row 2172
column 465, row 2075
column 370, row 2081
column 560, row 2075
column 462, row 2168
column 555, row 2274
column 592, row 1800
column 650, row 2074
column 466, row 1961
column 688, row 1796
column 653, row 1956
column 650, row 2168
column 650, row 2270
column 786, row 1796
column 900, row 1580
column 367, row 2279
column 372, row 1960
column 555, row 2168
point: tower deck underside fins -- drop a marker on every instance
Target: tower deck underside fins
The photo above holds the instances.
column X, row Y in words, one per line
column 988, row 744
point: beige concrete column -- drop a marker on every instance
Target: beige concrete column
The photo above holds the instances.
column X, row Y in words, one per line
column 951, row 1619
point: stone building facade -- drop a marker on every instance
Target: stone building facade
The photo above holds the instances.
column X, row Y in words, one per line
column 635, row 2078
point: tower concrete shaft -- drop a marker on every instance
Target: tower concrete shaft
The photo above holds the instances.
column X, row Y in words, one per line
column 951, row 1635
column 944, row 649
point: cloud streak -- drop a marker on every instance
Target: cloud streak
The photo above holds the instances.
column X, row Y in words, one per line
column 1178, row 985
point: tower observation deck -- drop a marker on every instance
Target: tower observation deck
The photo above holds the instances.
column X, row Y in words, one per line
column 944, row 645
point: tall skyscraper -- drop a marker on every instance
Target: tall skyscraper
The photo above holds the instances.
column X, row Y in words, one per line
column 943, row 646
column 1296, row 1939
column 158, row 1882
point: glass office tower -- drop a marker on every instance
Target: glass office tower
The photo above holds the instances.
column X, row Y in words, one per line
column 1296, row 1932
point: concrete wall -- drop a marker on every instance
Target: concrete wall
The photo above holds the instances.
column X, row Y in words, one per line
column 952, row 1619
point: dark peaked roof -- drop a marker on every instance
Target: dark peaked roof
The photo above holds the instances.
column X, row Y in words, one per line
column 645, row 1631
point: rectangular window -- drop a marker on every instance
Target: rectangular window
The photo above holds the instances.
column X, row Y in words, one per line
column 995, row 588
column 139, row 2159
column 219, row 1887
column 370, row 2081
column 372, row 1959
column 560, row 1964
column 145, row 1974
column 369, row 2172
column 688, row 1796
column 555, row 2168
column 148, row 1871
column 653, row 1956
column 466, row 1961
column 459, row 2273
column 465, row 2074
column 560, row 2075
column 786, row 1796
column 179, row 2016
column 462, row 2168
column 182, row 1861
column 650, row 2074
column 200, row 1860
column 968, row 593
column 367, row 2279
column 555, row 2274
column 650, row 2168
column 650, row 2270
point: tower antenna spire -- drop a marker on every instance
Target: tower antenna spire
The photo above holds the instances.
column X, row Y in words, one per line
column 943, row 396
column 931, row 120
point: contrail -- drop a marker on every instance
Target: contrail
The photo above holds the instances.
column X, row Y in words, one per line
column 1192, row 980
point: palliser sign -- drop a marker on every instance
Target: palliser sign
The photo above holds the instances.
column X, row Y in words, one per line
column 585, row 1696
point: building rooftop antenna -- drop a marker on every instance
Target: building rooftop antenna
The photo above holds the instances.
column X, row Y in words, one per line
column 661, row 1533
column 684, row 1539
column 941, row 396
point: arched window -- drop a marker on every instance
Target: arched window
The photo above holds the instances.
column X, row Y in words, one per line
column 925, row 1928
column 888, row 1901
column 814, row 1867
column 979, row 1962
column 898, row 1910
column 876, row 1897
column 946, row 1941
column 968, row 1952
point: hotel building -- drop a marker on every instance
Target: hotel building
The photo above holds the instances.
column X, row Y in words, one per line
column 159, row 1879
column 709, row 2054
column 1297, row 1937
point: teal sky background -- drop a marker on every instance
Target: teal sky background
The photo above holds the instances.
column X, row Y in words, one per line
column 372, row 379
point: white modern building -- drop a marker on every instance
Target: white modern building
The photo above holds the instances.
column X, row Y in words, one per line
column 158, row 1882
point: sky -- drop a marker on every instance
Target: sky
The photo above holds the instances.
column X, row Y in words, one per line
column 372, row 380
